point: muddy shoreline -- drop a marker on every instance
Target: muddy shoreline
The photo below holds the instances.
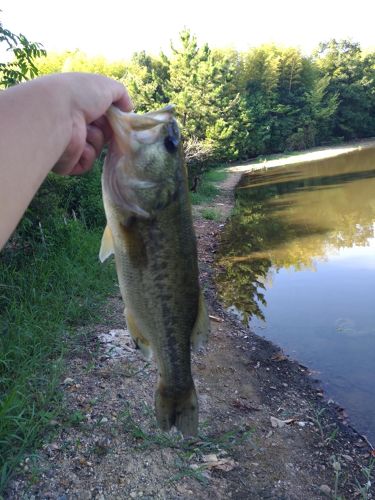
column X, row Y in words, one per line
column 266, row 429
column 280, row 379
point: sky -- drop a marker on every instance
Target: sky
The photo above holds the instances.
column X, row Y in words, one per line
column 118, row 28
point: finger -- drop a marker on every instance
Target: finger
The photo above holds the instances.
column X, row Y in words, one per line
column 103, row 124
column 120, row 96
column 95, row 137
column 86, row 161
column 124, row 102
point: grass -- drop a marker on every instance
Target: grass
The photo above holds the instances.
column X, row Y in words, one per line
column 42, row 300
column 207, row 190
column 187, row 450
column 211, row 214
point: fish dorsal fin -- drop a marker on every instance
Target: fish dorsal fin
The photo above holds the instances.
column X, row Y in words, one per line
column 106, row 247
column 199, row 335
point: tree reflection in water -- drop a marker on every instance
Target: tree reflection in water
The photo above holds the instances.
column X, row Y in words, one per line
column 290, row 217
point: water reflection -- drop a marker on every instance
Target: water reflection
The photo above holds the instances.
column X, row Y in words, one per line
column 293, row 217
column 298, row 261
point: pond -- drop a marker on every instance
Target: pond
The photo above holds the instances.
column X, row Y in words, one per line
column 297, row 263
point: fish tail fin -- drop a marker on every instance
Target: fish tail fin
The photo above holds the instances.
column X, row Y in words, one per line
column 177, row 409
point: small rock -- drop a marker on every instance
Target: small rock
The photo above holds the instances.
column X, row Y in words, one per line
column 325, row 489
column 133, row 494
column 68, row 381
column 277, row 423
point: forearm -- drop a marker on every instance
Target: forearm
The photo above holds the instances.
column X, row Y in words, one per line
column 35, row 128
column 57, row 121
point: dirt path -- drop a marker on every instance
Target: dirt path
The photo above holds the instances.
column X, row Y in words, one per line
column 265, row 432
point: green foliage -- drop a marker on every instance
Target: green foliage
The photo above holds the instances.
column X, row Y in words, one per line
column 22, row 66
column 42, row 298
column 147, row 81
column 50, row 281
column 235, row 105
column 206, row 188
column 46, row 222
column 79, row 61
column 230, row 106
column 351, row 79
column 210, row 214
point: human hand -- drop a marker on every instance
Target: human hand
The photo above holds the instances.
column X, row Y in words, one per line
column 88, row 98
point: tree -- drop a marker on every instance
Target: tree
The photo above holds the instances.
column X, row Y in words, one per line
column 260, row 79
column 22, row 66
column 147, row 79
column 79, row 61
column 352, row 79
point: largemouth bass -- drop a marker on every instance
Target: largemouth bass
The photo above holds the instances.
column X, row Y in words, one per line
column 150, row 231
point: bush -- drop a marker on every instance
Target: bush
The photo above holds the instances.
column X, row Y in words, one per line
column 59, row 201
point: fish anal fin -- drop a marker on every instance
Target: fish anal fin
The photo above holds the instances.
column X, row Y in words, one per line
column 106, row 247
column 136, row 334
column 199, row 335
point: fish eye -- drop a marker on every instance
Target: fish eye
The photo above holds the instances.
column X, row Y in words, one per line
column 172, row 139
column 169, row 144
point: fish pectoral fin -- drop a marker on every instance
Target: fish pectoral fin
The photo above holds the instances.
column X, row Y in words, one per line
column 106, row 247
column 135, row 333
column 199, row 335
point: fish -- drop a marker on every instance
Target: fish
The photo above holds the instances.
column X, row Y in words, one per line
column 150, row 232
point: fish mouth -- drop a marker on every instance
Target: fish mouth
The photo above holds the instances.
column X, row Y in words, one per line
column 132, row 128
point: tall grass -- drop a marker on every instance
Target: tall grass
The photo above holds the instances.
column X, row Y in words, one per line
column 43, row 297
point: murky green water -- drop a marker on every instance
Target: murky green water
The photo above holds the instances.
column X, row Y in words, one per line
column 298, row 261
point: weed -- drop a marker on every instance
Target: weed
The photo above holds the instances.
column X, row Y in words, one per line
column 332, row 436
column 144, row 439
column 100, row 449
column 337, row 472
column 326, row 438
column 364, row 489
column 76, row 418
column 210, row 214
column 187, row 471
